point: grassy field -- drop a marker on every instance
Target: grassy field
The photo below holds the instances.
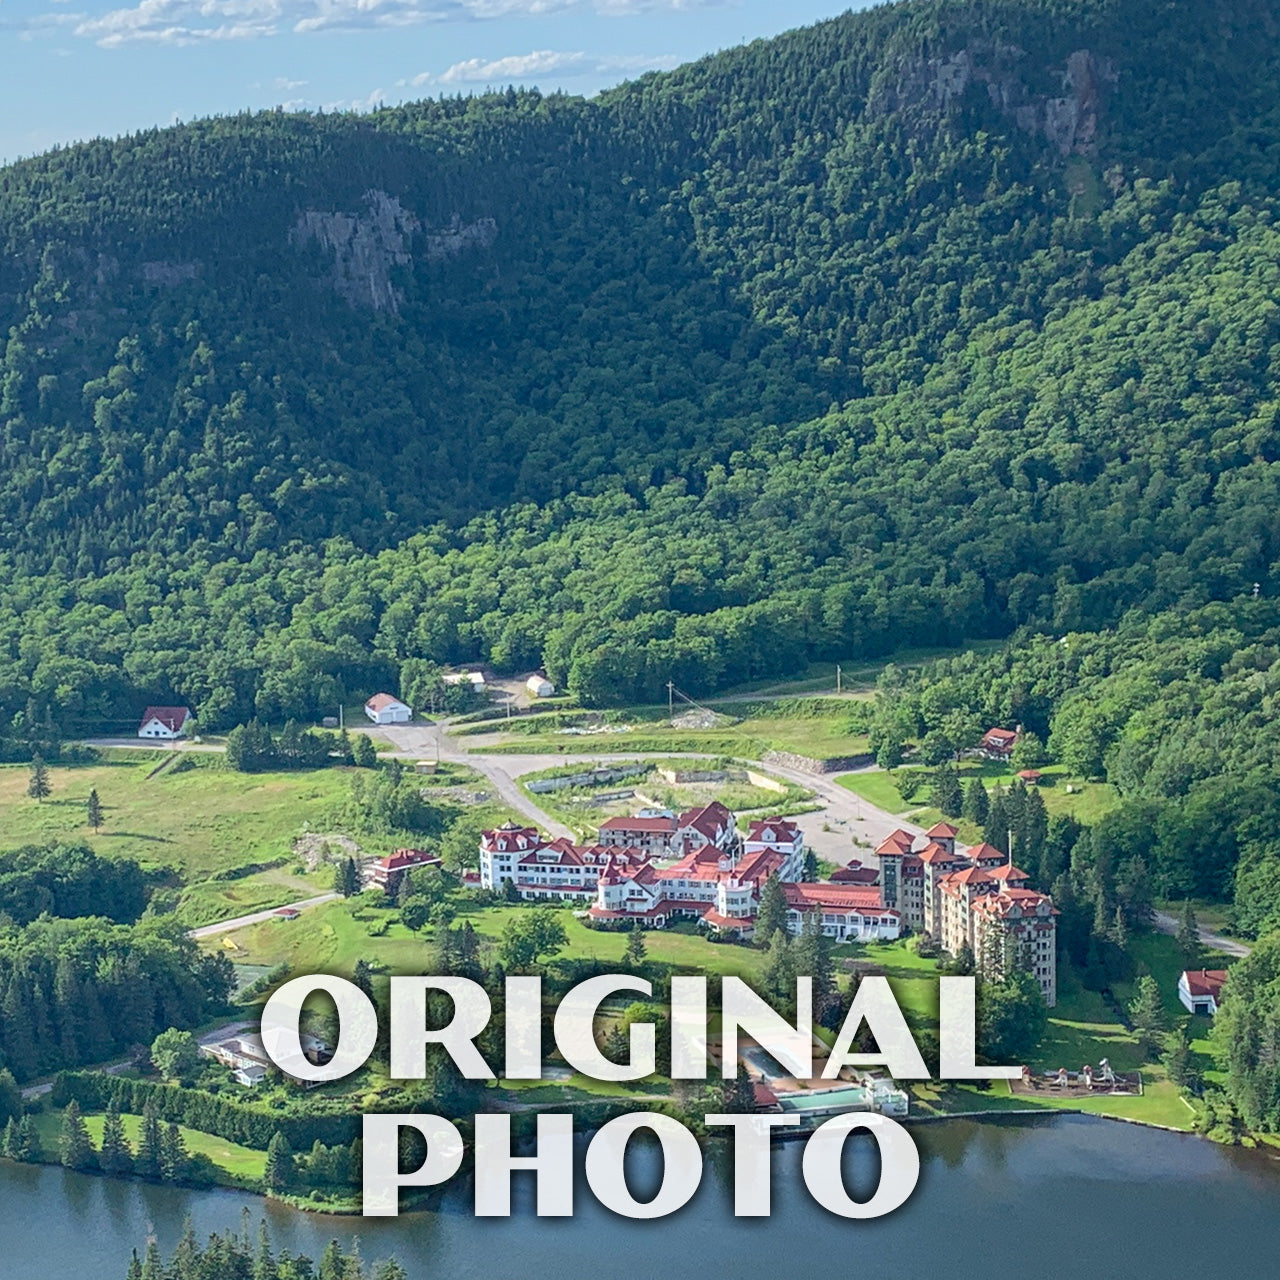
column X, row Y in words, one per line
column 204, row 822
column 242, row 1164
column 833, row 729
column 1086, row 801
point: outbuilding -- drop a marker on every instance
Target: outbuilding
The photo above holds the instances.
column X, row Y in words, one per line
column 164, row 722
column 539, row 686
column 382, row 708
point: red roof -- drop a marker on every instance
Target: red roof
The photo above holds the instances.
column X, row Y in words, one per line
column 289, row 913
column 942, row 831
column 895, row 842
column 406, row 858
column 998, row 740
column 970, row 875
column 381, row 701
column 987, row 853
column 936, row 853
column 1029, row 775
column 173, row 718
column 709, row 821
column 834, row 897
column 773, row 831
column 764, row 1096
column 639, row 824
column 855, row 873
column 1205, row 982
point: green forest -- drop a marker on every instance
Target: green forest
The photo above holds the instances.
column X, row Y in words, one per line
column 925, row 324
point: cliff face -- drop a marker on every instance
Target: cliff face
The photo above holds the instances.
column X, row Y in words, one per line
column 921, row 90
column 369, row 245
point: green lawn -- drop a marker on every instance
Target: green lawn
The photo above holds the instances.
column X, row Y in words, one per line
column 241, row 1163
column 202, row 821
column 1086, row 801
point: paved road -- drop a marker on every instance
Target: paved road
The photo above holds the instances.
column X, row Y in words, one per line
column 1215, row 941
column 226, row 926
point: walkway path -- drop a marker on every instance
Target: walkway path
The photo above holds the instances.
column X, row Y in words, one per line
column 226, row 926
column 1214, row 941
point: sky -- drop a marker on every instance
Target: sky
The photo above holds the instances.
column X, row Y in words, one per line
column 76, row 69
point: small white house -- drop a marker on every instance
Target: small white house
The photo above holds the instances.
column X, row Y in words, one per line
column 382, row 708
column 1200, row 990
column 164, row 722
column 539, row 686
column 474, row 678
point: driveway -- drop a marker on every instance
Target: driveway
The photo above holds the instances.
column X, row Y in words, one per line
column 226, row 926
column 1214, row 941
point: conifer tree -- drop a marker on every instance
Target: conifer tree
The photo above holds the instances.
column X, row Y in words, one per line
column 115, row 1155
column 278, row 1173
column 772, row 913
column 1189, row 934
column 95, row 810
column 75, row 1149
column 28, row 1145
column 147, row 1162
column 1147, row 1014
column 174, row 1160
column 9, row 1142
column 347, row 880
column 39, row 787
column 635, row 946
column 975, row 805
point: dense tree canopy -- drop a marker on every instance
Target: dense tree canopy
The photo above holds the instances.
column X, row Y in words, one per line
column 788, row 354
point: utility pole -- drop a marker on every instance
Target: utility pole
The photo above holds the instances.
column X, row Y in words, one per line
column 671, row 695
column 341, row 709
column 837, row 677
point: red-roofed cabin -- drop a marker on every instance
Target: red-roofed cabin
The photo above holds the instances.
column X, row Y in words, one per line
column 387, row 872
column 287, row 913
column 1029, row 776
column 997, row 744
column 1200, row 990
column 766, row 1099
column 164, row 722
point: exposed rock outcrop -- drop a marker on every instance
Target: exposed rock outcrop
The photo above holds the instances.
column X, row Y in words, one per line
column 368, row 246
column 923, row 89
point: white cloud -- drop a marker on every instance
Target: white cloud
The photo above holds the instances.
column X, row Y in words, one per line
column 181, row 22
column 544, row 62
column 284, row 83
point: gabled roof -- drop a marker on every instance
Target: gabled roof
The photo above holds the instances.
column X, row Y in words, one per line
column 381, row 701
column 510, row 838
column 402, row 858
column 773, row 831
column 173, row 718
column 942, row 831
column 1007, row 872
column 709, row 821
column 970, row 875
column 1205, row 982
column 665, row 825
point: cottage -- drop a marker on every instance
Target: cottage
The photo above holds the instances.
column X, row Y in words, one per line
column 386, row 873
column 382, row 708
column 164, row 722
column 998, row 744
column 539, row 686
column 1200, row 990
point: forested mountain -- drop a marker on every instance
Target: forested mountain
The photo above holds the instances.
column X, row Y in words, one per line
column 924, row 323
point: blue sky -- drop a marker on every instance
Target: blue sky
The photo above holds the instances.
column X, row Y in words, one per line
column 73, row 69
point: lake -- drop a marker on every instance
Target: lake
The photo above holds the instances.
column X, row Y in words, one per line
column 1068, row 1197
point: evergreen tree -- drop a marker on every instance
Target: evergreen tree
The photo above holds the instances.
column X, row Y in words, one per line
column 363, row 755
column 347, row 878
column 1189, row 935
column 996, row 829
column 10, row 1096
column 809, row 872
column 115, row 1155
column 9, row 1142
column 812, row 953
column 975, row 804
column 946, row 792
column 27, row 1146
column 1177, row 1059
column 148, row 1163
column 174, row 1159
column 635, row 952
column 75, row 1148
column 362, row 977
column 95, row 810
column 1147, row 1014
column 771, row 916
column 779, row 975
column 39, row 787
column 278, row 1173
